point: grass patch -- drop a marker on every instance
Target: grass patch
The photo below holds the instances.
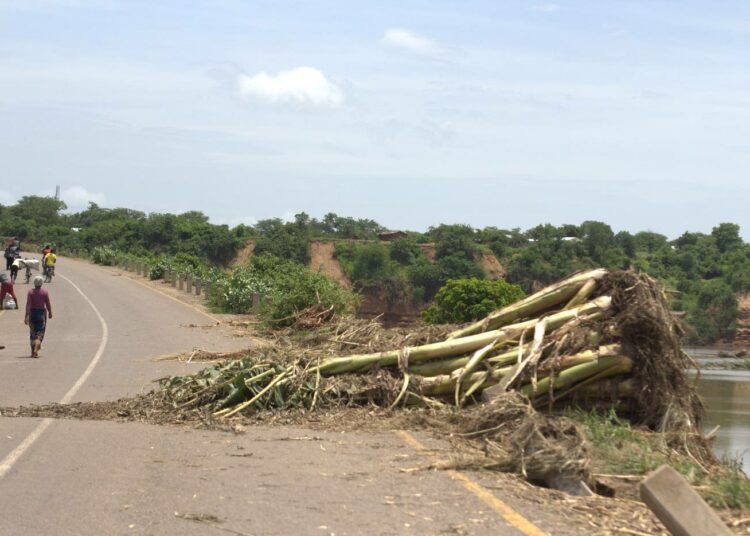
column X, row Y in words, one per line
column 620, row 449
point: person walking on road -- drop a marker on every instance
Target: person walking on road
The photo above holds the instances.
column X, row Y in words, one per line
column 6, row 289
column 37, row 308
column 8, row 257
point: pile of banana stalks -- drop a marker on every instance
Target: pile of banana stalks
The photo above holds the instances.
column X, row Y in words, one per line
column 594, row 335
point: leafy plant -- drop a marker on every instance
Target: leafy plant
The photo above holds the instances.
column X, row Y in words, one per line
column 464, row 300
column 104, row 255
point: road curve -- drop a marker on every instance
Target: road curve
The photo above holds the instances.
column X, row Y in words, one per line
column 81, row 477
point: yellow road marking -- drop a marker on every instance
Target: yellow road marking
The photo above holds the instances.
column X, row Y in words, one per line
column 505, row 511
column 189, row 305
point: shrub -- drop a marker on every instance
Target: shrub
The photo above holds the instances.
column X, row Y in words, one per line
column 104, row 255
column 464, row 300
column 235, row 293
column 291, row 287
column 405, row 251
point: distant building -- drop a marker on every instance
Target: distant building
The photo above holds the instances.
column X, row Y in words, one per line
column 388, row 236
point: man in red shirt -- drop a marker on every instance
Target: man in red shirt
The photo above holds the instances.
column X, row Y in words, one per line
column 37, row 307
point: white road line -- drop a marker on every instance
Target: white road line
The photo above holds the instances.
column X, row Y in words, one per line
column 11, row 459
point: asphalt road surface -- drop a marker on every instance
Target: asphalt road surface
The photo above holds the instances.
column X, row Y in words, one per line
column 62, row 477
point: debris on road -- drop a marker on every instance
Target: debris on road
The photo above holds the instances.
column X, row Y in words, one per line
column 596, row 339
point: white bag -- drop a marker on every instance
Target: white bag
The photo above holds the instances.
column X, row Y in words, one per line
column 10, row 303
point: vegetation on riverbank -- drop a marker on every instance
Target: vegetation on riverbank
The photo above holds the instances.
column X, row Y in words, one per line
column 705, row 271
column 628, row 453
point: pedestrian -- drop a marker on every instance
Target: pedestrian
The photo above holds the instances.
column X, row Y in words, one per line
column 6, row 289
column 37, row 308
column 18, row 263
column 9, row 257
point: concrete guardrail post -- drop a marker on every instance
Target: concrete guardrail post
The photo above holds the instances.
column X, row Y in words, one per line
column 181, row 282
column 208, row 289
column 189, row 284
column 146, row 270
column 198, row 284
column 173, row 278
column 256, row 301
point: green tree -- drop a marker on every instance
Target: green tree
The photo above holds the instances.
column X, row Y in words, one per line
column 40, row 210
column 727, row 236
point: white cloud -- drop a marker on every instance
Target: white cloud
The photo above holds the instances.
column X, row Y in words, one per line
column 411, row 42
column 547, row 7
column 303, row 85
column 78, row 198
column 242, row 220
column 7, row 198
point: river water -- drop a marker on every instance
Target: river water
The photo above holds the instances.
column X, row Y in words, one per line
column 726, row 394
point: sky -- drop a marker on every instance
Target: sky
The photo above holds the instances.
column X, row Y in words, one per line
column 412, row 113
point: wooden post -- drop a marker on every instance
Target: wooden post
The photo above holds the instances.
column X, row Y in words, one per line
column 256, row 301
column 189, row 284
column 198, row 284
column 181, row 281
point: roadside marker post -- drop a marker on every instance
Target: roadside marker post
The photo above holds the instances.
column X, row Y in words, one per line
column 189, row 284
column 679, row 506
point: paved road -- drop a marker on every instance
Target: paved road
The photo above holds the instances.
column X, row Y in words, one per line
column 81, row 477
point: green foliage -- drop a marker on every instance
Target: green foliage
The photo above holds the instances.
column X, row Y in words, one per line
column 286, row 288
column 727, row 236
column 104, row 255
column 426, row 279
column 405, row 251
column 235, row 293
column 706, row 268
column 464, row 300
column 288, row 241
column 713, row 313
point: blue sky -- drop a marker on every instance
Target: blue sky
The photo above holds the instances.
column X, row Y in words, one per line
column 411, row 113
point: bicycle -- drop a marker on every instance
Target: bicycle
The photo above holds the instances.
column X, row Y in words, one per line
column 49, row 273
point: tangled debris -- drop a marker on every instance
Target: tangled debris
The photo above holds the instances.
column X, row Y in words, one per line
column 597, row 337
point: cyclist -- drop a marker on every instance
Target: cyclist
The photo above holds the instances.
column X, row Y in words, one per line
column 49, row 265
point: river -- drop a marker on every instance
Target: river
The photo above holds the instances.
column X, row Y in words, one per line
column 726, row 394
